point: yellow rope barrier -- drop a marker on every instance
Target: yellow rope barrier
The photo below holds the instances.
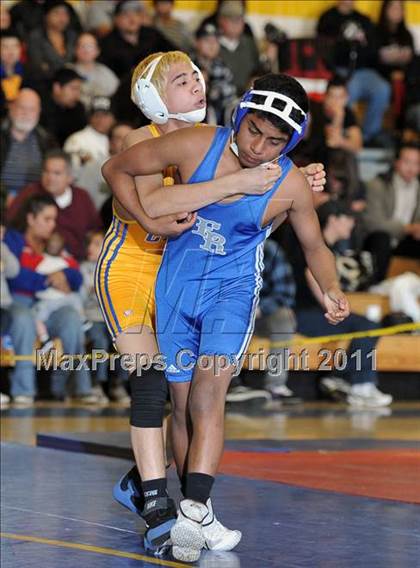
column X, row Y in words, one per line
column 297, row 341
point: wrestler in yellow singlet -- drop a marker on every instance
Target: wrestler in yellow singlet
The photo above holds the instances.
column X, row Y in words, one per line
column 127, row 268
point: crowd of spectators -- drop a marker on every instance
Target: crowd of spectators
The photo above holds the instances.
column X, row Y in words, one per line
column 65, row 108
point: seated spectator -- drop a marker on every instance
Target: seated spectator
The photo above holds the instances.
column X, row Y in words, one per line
column 351, row 47
column 51, row 45
column 9, row 268
column 130, row 40
column 27, row 242
column 392, row 214
column 24, row 143
column 357, row 382
column 395, row 42
column 343, row 182
column 98, row 334
column 76, row 212
column 174, row 30
column 117, row 135
column 62, row 111
column 274, row 319
column 333, row 124
column 5, row 19
column 212, row 18
column 11, row 69
column 220, row 91
column 89, row 149
column 99, row 16
column 238, row 50
column 412, row 102
column 28, row 15
column 99, row 80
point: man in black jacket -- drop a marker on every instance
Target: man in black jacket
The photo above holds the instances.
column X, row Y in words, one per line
column 24, row 143
column 349, row 39
column 62, row 111
column 130, row 41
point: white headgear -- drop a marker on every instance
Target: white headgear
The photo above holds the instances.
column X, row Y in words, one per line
column 147, row 98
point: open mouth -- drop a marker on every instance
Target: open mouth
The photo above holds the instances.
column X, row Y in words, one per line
column 201, row 103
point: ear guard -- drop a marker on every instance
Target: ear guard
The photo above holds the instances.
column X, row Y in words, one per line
column 246, row 104
column 146, row 97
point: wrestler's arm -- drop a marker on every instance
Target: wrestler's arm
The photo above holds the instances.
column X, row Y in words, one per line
column 319, row 258
column 179, row 149
column 130, row 200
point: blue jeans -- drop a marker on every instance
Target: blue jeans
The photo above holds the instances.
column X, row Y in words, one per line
column 65, row 324
column 312, row 322
column 99, row 336
column 367, row 85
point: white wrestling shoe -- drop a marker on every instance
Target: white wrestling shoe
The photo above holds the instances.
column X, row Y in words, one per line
column 218, row 537
column 187, row 533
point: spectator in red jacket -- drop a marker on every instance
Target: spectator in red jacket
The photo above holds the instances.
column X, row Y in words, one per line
column 76, row 213
column 28, row 243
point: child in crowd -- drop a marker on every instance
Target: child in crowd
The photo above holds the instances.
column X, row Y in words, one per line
column 98, row 334
column 55, row 259
column 11, row 68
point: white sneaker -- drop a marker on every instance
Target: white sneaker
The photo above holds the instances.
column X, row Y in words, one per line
column 367, row 395
column 187, row 533
column 119, row 394
column 217, row 536
column 4, row 400
column 336, row 387
column 23, row 400
column 98, row 391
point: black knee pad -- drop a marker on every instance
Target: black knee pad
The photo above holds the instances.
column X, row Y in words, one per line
column 149, row 393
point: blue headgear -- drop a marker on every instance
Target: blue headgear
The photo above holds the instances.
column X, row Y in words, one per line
column 267, row 106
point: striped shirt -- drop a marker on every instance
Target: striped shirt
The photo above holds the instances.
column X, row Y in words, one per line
column 23, row 164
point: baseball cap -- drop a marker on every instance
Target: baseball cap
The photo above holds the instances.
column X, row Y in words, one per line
column 129, row 6
column 232, row 9
column 100, row 104
column 206, row 30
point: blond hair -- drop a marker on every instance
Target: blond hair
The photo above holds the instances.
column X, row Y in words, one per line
column 159, row 77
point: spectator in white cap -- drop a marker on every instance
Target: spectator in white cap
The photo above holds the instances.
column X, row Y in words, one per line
column 89, row 148
column 238, row 50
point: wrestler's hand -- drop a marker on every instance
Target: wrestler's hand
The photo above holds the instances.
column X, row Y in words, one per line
column 174, row 225
column 316, row 176
column 337, row 306
column 258, row 180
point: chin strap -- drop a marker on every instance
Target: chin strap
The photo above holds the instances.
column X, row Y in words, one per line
column 192, row 117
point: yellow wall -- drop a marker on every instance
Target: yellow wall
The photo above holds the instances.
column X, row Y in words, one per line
column 302, row 8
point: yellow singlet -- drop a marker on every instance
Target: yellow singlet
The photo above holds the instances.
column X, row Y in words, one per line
column 127, row 268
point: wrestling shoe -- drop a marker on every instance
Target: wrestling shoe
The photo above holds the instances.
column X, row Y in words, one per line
column 126, row 492
column 160, row 516
column 217, row 536
column 187, row 535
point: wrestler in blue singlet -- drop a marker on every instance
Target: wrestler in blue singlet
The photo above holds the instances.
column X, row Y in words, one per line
column 209, row 280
